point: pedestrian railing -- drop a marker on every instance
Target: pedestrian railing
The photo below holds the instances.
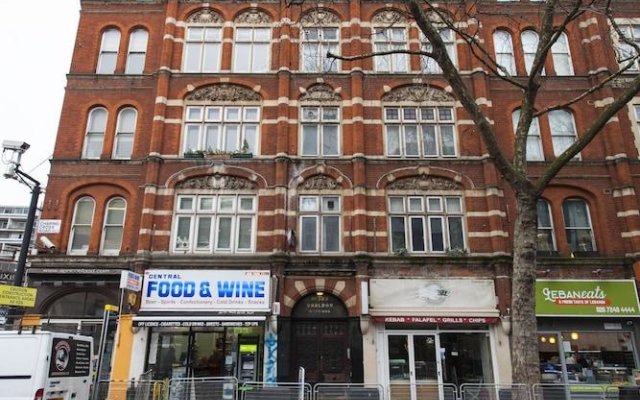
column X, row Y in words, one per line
column 348, row 391
column 228, row 388
column 275, row 391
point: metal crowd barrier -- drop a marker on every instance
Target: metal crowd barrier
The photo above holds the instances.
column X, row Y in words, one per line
column 275, row 391
column 227, row 388
column 348, row 391
column 485, row 391
column 215, row 388
column 142, row 389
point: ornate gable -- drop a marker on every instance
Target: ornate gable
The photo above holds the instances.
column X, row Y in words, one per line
column 424, row 182
column 223, row 92
column 320, row 93
column 417, row 93
column 217, row 182
column 320, row 17
column 205, row 16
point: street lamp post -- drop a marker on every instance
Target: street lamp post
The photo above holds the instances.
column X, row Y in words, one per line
column 11, row 155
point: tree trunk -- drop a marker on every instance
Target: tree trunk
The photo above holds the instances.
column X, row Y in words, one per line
column 524, row 345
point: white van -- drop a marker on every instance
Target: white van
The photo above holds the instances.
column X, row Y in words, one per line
column 45, row 366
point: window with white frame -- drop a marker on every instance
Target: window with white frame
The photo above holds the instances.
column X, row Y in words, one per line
column 108, row 57
column 627, row 54
column 125, row 131
column 503, row 46
column 137, row 52
column 202, row 49
column 113, row 226
column 562, row 56
column 320, row 131
column 94, row 137
column 389, row 39
column 563, row 130
column 546, row 238
column 577, row 225
column 221, row 128
column 320, row 230
column 426, row 224
column 316, row 42
column 420, row 132
column 428, row 63
column 81, row 226
column 529, row 47
column 534, row 143
column 252, row 49
column 224, row 223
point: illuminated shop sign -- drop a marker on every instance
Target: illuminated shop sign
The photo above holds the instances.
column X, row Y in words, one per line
column 587, row 298
column 195, row 290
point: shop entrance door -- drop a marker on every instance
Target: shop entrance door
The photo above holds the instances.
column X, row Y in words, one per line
column 414, row 368
column 320, row 335
column 321, row 348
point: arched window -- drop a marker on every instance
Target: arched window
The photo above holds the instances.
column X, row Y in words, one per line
column 390, row 33
column 529, row 47
column 546, row 238
column 577, row 225
column 96, row 126
column 137, row 51
column 503, row 46
column 125, row 131
column 81, row 226
column 218, row 121
column 449, row 39
column 203, row 42
column 320, row 34
column 563, row 130
column 252, row 51
column 562, row 56
column 113, row 226
column 108, row 52
column 84, row 304
column 534, row 144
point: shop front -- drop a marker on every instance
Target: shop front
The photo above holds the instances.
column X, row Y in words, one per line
column 434, row 334
column 587, row 331
column 202, row 323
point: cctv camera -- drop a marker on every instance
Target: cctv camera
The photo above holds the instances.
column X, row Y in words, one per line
column 47, row 243
column 15, row 145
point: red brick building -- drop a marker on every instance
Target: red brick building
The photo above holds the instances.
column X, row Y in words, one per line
column 352, row 203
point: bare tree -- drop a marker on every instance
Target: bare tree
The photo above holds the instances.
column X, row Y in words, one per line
column 555, row 16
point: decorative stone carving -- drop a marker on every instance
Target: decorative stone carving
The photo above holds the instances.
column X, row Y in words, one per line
column 320, row 182
column 388, row 18
column 223, row 92
column 424, row 182
column 417, row 93
column 205, row 16
column 320, row 18
column 217, row 182
column 320, row 93
column 253, row 17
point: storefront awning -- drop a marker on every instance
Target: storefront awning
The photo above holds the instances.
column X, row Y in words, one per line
column 209, row 321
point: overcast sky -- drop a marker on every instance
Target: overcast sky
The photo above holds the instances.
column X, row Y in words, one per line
column 36, row 43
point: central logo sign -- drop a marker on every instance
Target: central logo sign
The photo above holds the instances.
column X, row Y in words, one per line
column 433, row 293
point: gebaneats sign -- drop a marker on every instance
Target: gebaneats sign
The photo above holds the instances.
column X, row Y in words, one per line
column 606, row 298
column 226, row 290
